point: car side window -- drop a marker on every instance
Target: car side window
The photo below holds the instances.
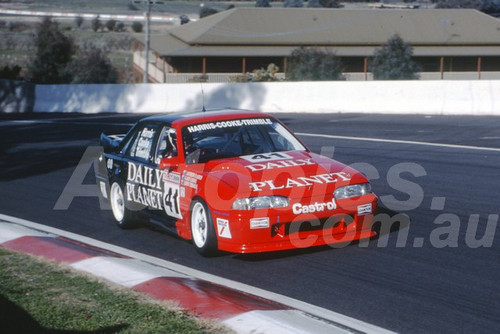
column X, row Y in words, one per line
column 167, row 144
column 142, row 145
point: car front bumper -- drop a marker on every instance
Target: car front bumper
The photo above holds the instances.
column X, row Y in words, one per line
column 277, row 229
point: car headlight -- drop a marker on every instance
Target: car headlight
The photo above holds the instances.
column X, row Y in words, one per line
column 353, row 190
column 260, row 202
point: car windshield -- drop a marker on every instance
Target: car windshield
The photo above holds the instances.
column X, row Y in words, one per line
column 232, row 138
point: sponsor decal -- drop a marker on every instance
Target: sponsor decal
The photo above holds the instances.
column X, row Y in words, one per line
column 303, row 181
column 223, row 229
column 228, row 124
column 172, row 177
column 144, row 175
column 280, row 164
column 298, row 208
column 266, row 157
column 110, row 163
column 190, row 179
column 145, row 143
column 146, row 196
column 364, row 209
column 154, row 188
column 256, row 223
column 148, row 133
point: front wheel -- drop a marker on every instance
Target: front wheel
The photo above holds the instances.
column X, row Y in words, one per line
column 202, row 229
column 123, row 216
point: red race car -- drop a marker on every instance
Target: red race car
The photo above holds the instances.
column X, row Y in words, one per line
column 232, row 180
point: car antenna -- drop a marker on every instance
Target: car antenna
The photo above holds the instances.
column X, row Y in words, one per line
column 203, row 98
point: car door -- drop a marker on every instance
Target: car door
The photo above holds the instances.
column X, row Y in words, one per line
column 167, row 149
column 143, row 181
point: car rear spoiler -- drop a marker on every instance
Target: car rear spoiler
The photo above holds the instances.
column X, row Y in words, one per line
column 111, row 143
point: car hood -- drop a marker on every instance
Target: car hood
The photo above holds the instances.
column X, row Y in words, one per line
column 296, row 174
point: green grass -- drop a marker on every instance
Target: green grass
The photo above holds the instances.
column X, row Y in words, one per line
column 41, row 297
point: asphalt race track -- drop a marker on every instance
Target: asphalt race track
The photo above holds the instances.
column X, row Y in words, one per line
column 436, row 272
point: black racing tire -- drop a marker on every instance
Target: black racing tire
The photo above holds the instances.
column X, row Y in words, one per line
column 202, row 229
column 124, row 217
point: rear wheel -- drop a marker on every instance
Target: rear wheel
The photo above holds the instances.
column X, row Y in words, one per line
column 123, row 216
column 202, row 229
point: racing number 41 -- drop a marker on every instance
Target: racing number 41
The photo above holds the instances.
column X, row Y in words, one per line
column 268, row 156
column 171, row 200
column 261, row 157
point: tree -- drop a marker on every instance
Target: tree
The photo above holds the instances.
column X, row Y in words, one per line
column 331, row 3
column 293, row 3
column 314, row 4
column 96, row 23
column 79, row 22
column 486, row 6
column 111, row 25
column 120, row 26
column 184, row 19
column 54, row 51
column 137, row 26
column 475, row 4
column 311, row 64
column 393, row 61
column 9, row 73
column 207, row 11
column 491, row 7
column 263, row 3
column 92, row 66
column 270, row 73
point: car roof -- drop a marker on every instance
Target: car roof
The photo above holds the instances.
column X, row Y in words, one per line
column 196, row 116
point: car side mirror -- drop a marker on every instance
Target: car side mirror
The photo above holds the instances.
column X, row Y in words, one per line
column 169, row 163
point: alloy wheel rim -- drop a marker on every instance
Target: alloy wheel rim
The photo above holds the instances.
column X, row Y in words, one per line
column 199, row 225
column 117, row 202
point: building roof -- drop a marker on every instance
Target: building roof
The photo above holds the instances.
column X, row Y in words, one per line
column 277, row 31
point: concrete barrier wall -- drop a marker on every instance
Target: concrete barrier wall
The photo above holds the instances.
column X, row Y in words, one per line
column 414, row 97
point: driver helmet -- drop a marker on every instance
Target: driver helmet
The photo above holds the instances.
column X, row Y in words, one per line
column 172, row 136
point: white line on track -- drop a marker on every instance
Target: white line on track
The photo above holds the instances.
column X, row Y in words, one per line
column 397, row 141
